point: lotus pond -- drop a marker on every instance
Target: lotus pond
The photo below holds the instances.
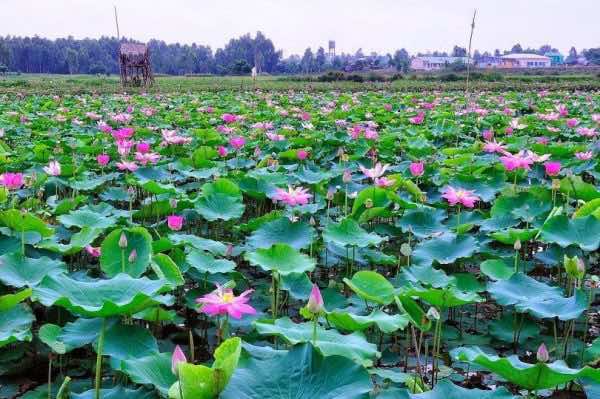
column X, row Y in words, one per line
column 294, row 244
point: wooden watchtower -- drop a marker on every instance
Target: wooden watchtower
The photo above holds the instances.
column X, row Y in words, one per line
column 134, row 64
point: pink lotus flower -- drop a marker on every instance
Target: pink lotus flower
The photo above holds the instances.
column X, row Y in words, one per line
column 562, row 110
column 371, row 134
column 93, row 116
column 237, row 142
column 53, row 168
column 508, row 131
column 104, row 127
column 122, row 118
column 175, row 222
column 142, row 147
column 305, row 116
column 103, row 159
column 387, row 107
column 315, row 301
column 494, row 146
column 124, row 146
column 572, row 122
column 417, row 120
column 225, row 129
column 552, row 168
column 127, row 165
column 302, row 154
column 487, row 134
column 375, row 172
column 542, row 140
column 223, row 301
column 12, row 181
column 222, row 151
column 171, row 137
column 586, row 131
column 229, row 118
column 417, row 168
column 384, row 182
column 123, row 134
column 516, row 125
column 93, row 251
column 596, row 118
column 148, row 111
column 584, row 156
column 274, row 136
column 460, row 196
column 293, row 196
column 146, row 158
column 177, row 358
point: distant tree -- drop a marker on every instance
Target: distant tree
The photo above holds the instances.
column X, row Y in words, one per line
column 320, row 59
column 4, row 53
column 572, row 57
column 359, row 53
column 401, row 60
column 592, row 55
column 72, row 59
column 496, row 53
column 308, row 60
column 516, row 49
column 459, row 51
column 477, row 56
column 546, row 48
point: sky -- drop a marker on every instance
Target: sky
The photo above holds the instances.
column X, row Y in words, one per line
column 373, row 25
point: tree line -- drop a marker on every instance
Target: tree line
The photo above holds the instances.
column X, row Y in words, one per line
column 238, row 56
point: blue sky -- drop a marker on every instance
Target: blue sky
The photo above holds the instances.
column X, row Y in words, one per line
column 373, row 25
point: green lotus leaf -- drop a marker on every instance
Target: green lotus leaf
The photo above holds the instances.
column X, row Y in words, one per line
column 220, row 206
column 423, row 222
column 427, row 275
column 444, row 297
column 297, row 284
column 528, row 376
column 583, row 232
column 371, row 286
column 18, row 271
column 152, row 370
column 9, row 301
column 589, row 208
column 504, row 329
column 343, row 320
column 445, row 389
column 497, row 269
column 537, row 298
column 575, row 187
column 379, row 197
column 280, row 258
column 79, row 241
column 591, row 355
column 511, row 236
column 121, row 295
column 298, row 235
column 222, row 186
column 301, row 373
column 85, row 218
column 206, row 263
column 445, row 249
column 526, row 206
column 166, row 269
column 486, row 186
column 117, row 392
column 311, row 175
column 49, row 334
column 115, row 260
column 202, row 244
column 15, row 324
column 123, row 342
column 413, row 311
column 349, row 233
column 82, row 331
column 329, row 342
column 22, row 221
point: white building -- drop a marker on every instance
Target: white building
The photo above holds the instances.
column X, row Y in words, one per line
column 433, row 63
column 525, row 60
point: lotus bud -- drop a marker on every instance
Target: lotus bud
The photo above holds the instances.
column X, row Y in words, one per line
column 369, row 203
column 123, row 241
column 542, row 354
column 312, row 221
column 344, row 157
column 229, row 250
column 173, row 203
column 330, row 194
column 132, row 256
column 315, row 300
column 347, row 176
column 177, row 358
column 517, row 245
column 433, row 314
column 574, row 267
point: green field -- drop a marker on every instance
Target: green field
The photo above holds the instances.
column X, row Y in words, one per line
column 46, row 84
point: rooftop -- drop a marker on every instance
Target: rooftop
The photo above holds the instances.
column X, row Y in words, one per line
column 525, row 56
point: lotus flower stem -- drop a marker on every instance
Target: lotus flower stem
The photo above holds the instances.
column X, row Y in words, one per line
column 50, row 375
column 122, row 260
column 314, row 335
column 99, row 359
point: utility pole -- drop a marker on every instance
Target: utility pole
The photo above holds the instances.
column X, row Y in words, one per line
column 469, row 53
column 117, row 23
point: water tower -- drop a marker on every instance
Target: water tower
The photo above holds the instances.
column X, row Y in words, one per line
column 331, row 51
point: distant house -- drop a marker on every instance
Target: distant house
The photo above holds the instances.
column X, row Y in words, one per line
column 556, row 58
column 525, row 60
column 433, row 63
column 489, row 62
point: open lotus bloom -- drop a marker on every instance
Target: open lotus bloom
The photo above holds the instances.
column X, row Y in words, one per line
column 11, row 181
column 222, row 301
column 461, row 196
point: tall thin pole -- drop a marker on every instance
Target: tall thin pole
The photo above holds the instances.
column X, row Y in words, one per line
column 469, row 54
column 117, row 23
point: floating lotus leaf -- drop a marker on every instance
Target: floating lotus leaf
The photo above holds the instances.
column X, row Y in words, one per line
column 497, row 269
column 329, row 342
column 443, row 297
column 121, row 295
column 202, row 244
column 115, row 260
column 23, row 221
column 346, row 321
column 298, row 235
column 537, row 298
column 206, row 263
column 371, row 286
column 583, row 232
column 445, row 249
column 220, row 206
column 15, row 324
column 349, row 233
column 281, row 258
column 423, row 222
column 85, row 218
column 529, row 376
column 301, row 373
column 18, row 271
